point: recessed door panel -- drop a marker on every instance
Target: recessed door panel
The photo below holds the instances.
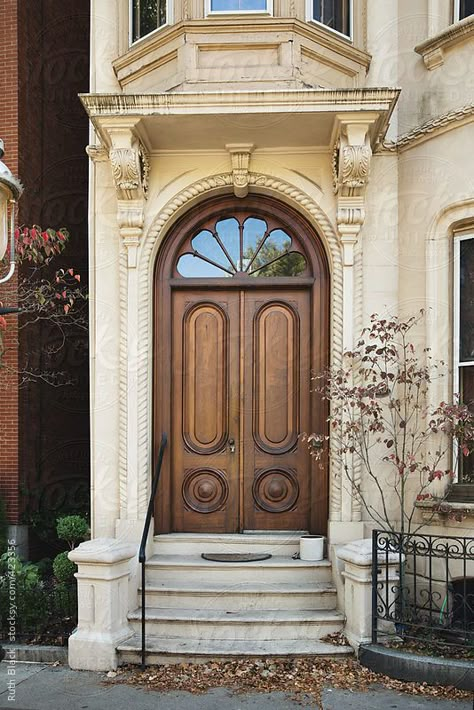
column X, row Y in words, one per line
column 276, row 465
column 205, row 373
column 204, row 392
column 276, row 372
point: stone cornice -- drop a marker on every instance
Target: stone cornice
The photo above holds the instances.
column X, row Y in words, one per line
column 294, row 100
column 175, row 34
column 432, row 49
column 431, row 128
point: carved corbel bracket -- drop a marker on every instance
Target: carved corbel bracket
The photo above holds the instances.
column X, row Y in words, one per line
column 130, row 170
column 351, row 170
column 240, row 160
column 351, row 159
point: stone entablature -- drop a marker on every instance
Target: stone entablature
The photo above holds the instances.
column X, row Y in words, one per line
column 264, row 52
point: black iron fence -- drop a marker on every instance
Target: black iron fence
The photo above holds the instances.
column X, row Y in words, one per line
column 423, row 588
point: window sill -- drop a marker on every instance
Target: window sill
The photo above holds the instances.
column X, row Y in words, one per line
column 447, row 509
column 433, row 50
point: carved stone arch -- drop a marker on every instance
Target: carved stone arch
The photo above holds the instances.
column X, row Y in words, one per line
column 163, row 222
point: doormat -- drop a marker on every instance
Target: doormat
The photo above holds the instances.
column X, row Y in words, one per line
column 235, row 557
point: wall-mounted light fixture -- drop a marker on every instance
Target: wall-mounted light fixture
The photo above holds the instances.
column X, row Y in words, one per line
column 10, row 191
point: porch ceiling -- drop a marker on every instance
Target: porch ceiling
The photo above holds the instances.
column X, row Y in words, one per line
column 268, row 119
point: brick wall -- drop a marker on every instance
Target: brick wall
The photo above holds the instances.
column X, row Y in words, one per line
column 9, row 108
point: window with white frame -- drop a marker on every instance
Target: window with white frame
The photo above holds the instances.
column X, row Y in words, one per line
column 464, row 335
column 462, row 9
column 147, row 16
column 335, row 14
column 239, row 5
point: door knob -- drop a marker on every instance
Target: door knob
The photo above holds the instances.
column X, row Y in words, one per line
column 232, row 446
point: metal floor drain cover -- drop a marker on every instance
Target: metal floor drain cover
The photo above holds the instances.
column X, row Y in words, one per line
column 236, row 557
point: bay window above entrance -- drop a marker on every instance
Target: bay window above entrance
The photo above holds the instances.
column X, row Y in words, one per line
column 238, row 6
column 335, row 14
column 462, row 9
column 146, row 16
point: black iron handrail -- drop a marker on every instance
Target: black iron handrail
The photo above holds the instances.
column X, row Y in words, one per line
column 146, row 530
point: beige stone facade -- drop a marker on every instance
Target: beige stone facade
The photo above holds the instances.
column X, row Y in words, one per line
column 368, row 137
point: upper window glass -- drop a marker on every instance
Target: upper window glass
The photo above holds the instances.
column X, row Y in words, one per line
column 238, row 5
column 464, row 328
column 464, row 9
column 245, row 247
column 147, row 16
column 334, row 14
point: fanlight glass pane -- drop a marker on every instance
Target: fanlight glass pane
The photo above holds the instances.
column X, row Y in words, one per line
column 206, row 244
column 238, row 5
column 275, row 245
column 228, row 232
column 466, row 301
column 192, row 267
column 290, row 264
column 254, row 231
column 241, row 248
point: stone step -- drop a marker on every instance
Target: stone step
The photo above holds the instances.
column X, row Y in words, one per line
column 275, row 543
column 162, row 650
column 192, row 569
column 241, row 596
column 251, row 625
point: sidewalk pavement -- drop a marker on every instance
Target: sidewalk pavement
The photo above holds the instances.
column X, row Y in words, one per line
column 46, row 687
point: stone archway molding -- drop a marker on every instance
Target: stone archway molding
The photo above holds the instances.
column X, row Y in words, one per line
column 136, row 341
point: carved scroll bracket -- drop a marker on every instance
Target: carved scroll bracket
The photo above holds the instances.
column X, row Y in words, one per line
column 130, row 169
column 240, row 160
column 351, row 170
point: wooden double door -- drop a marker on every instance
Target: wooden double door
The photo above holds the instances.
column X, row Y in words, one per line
column 241, row 322
column 240, row 399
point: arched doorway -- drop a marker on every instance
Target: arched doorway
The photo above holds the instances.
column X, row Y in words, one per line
column 241, row 322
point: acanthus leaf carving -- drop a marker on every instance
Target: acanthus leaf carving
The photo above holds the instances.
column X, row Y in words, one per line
column 351, row 161
column 130, row 170
column 355, row 165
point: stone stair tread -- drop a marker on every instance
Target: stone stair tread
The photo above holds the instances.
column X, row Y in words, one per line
column 230, row 538
column 218, row 648
column 197, row 560
column 243, row 588
column 243, row 616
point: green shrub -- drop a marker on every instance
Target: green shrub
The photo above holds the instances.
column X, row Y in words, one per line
column 72, row 529
column 63, row 568
column 45, row 567
column 22, row 589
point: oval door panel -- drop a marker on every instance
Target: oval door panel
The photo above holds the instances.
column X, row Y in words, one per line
column 276, row 368
column 205, row 371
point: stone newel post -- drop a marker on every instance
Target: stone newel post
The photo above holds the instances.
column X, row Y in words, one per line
column 103, row 593
column 357, row 574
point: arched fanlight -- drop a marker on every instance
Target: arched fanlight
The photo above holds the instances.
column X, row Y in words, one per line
column 10, row 191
